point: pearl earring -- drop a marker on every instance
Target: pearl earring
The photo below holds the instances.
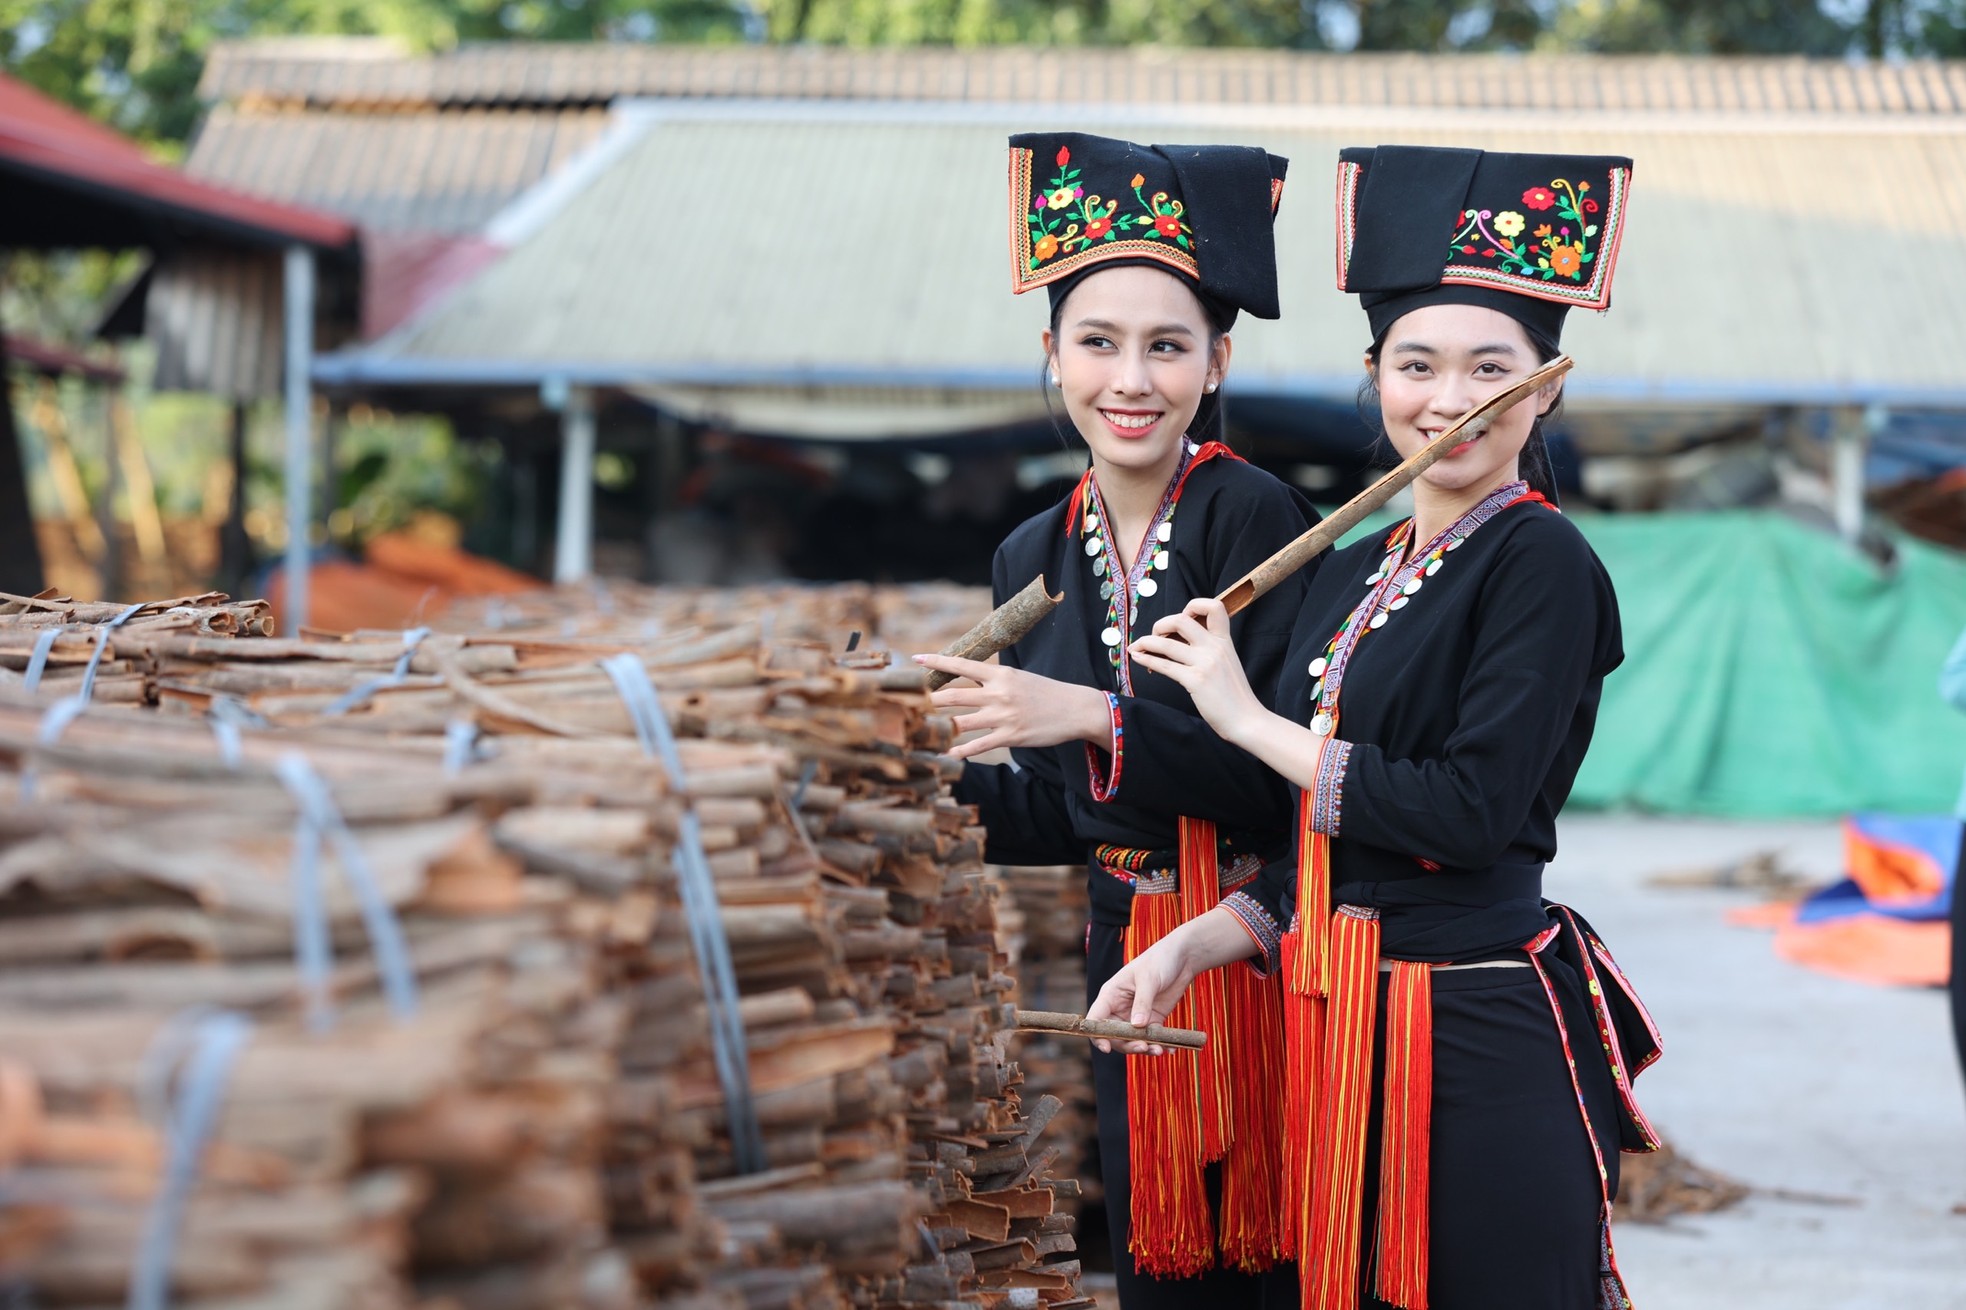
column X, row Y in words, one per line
column 1210, row 388
column 1054, row 379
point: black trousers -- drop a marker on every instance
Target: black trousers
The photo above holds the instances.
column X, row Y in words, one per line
column 1219, row 1289
column 1957, row 985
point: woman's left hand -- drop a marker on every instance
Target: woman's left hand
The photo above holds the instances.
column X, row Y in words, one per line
column 1015, row 708
column 1194, row 648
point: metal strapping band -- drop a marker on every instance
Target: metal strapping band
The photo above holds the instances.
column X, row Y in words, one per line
column 54, row 722
column 102, row 644
column 38, row 661
column 705, row 917
column 201, row 1046
column 460, row 745
column 228, row 715
column 361, row 691
column 320, row 819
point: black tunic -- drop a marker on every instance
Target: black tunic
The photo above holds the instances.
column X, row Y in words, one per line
column 1467, row 717
column 1463, row 722
column 1231, row 516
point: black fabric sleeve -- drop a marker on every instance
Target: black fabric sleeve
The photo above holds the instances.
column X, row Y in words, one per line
column 1535, row 643
column 1172, row 758
column 1023, row 810
column 1265, row 906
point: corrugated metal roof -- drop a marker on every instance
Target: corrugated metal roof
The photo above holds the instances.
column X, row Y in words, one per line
column 376, row 72
column 799, row 245
column 433, row 172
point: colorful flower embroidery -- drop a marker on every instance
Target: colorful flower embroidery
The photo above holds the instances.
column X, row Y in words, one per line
column 1556, row 250
column 1064, row 220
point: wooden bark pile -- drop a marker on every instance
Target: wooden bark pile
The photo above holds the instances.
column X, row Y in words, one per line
column 558, row 1133
column 457, row 1153
column 78, row 626
column 1049, row 905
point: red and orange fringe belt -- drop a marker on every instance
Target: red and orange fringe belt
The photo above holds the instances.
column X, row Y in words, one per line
column 1186, row 1114
column 1331, row 969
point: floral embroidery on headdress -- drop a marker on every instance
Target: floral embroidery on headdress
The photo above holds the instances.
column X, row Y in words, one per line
column 1064, row 220
column 1560, row 248
column 1556, row 239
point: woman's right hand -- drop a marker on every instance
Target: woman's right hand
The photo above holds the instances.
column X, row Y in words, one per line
column 1145, row 991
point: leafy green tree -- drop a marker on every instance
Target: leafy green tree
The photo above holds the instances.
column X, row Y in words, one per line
column 1707, row 27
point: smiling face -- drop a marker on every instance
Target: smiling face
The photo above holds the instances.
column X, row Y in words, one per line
column 1439, row 362
column 1134, row 354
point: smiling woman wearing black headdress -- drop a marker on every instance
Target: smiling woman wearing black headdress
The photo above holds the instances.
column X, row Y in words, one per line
column 1460, row 1052
column 1148, row 254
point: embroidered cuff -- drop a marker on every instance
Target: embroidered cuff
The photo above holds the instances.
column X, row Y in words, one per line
column 1328, row 795
column 1263, row 929
column 1104, row 782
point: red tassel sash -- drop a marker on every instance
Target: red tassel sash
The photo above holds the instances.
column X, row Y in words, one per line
column 1404, row 1155
column 1172, row 1231
column 1199, row 888
column 1331, row 1246
column 1309, row 973
column 1221, row 1105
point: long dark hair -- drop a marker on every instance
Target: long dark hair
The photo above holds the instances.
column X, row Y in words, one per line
column 1211, row 420
column 1534, row 464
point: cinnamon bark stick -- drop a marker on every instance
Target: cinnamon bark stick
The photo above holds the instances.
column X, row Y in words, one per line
column 1003, row 627
column 1047, row 1021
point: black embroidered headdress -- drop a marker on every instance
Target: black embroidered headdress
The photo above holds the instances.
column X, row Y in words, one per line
column 1204, row 213
column 1529, row 235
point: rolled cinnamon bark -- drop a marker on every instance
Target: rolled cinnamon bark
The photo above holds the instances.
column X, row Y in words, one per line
column 1046, row 1021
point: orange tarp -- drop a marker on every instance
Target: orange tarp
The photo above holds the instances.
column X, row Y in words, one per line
column 406, row 580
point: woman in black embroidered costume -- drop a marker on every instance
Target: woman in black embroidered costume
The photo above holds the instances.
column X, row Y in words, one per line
column 1148, row 254
column 1459, row 1051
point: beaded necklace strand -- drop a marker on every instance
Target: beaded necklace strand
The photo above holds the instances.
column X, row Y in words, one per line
column 1121, row 587
column 1390, row 589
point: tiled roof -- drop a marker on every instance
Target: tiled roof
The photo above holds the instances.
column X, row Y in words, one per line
column 373, row 73
column 744, row 249
column 422, row 171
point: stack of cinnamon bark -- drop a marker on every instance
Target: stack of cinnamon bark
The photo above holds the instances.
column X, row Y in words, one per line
column 1051, row 912
column 547, row 1125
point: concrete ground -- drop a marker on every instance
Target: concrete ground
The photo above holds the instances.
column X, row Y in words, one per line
column 1839, row 1103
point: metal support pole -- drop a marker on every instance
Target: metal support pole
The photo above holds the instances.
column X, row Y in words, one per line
column 235, row 549
column 573, row 551
column 299, row 304
column 1848, row 450
column 109, row 579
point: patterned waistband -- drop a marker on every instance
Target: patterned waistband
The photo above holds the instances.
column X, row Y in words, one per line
column 1155, row 873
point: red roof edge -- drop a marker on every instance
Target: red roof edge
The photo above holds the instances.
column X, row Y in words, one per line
column 42, row 136
column 45, row 357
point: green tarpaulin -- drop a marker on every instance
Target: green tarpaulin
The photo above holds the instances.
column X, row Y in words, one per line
column 1771, row 670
